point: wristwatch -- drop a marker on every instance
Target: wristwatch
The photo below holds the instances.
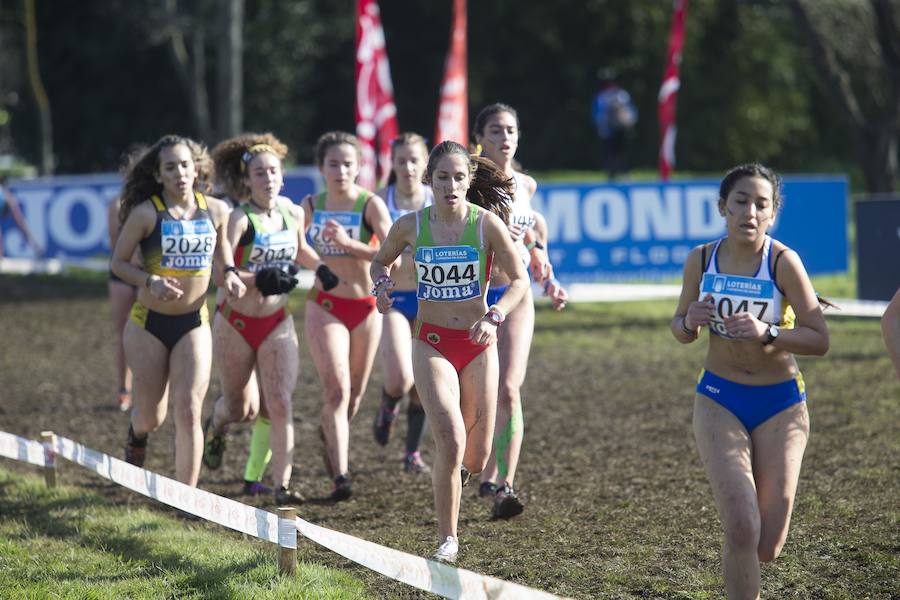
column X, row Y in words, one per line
column 535, row 244
column 771, row 334
column 495, row 316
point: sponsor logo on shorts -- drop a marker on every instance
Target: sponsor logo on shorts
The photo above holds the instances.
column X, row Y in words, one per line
column 712, row 389
column 327, row 304
column 239, row 324
column 433, row 338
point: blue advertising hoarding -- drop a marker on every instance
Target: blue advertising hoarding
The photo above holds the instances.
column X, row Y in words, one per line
column 67, row 215
column 646, row 230
column 597, row 232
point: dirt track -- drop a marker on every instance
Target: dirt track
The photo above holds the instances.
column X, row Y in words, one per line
column 616, row 501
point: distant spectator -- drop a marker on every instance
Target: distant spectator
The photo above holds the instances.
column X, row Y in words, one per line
column 614, row 117
column 10, row 205
column 890, row 330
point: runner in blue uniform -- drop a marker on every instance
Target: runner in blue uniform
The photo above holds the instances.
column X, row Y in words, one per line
column 750, row 418
column 404, row 193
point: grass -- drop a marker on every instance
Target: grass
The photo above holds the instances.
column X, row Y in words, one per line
column 69, row 543
column 617, row 504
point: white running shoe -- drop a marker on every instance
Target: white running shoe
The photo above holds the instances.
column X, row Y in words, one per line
column 447, row 551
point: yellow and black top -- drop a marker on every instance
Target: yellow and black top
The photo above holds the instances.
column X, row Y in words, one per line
column 180, row 248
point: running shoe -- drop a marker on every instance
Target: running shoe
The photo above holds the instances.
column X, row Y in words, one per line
column 506, row 503
column 342, row 488
column 384, row 422
column 464, row 476
column 124, row 400
column 256, row 488
column 487, row 489
column 286, row 497
column 214, row 447
column 413, row 463
column 447, row 551
column 135, row 449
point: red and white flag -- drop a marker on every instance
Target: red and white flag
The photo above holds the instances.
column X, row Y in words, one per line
column 668, row 91
column 376, row 114
column 453, row 113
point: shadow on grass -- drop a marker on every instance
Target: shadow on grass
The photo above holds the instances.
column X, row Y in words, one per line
column 65, row 519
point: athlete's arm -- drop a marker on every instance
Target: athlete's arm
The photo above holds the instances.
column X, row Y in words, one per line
column 499, row 242
column 890, row 330
column 400, row 235
column 691, row 314
column 229, row 279
column 306, row 255
column 810, row 333
column 140, row 224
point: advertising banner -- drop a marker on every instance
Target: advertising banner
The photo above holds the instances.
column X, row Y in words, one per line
column 646, row 230
column 608, row 232
column 66, row 216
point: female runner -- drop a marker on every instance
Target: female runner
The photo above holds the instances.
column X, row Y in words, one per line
column 455, row 242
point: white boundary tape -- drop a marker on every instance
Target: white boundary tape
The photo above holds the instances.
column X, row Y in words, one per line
column 21, row 449
column 428, row 575
column 431, row 576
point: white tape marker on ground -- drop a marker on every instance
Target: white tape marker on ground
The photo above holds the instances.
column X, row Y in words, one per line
column 22, row 449
column 231, row 514
column 438, row 578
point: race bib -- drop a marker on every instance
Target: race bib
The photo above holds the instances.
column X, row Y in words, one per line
column 272, row 249
column 733, row 294
column 187, row 245
column 448, row 273
column 323, row 243
column 523, row 220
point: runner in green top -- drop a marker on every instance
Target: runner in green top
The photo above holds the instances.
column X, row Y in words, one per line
column 454, row 356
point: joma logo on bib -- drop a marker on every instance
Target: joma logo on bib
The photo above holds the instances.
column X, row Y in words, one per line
column 448, row 273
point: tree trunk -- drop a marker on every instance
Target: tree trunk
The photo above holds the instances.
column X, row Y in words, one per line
column 37, row 88
column 191, row 71
column 230, row 101
column 874, row 136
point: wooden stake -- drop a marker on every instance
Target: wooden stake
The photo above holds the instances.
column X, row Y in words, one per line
column 47, row 437
column 287, row 540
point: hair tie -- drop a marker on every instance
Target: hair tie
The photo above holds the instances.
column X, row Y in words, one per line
column 478, row 149
column 252, row 151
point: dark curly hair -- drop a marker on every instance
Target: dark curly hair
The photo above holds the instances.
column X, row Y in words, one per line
column 231, row 157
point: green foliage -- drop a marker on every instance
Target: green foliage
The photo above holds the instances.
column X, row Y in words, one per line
column 748, row 92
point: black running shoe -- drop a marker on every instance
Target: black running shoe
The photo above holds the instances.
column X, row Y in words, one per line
column 287, row 497
column 342, row 488
column 384, row 422
column 487, row 489
column 506, row 503
column 135, row 449
column 214, row 447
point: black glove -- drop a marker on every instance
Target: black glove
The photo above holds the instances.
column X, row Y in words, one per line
column 274, row 280
column 327, row 277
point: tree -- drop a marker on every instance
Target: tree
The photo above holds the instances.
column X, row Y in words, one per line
column 860, row 75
